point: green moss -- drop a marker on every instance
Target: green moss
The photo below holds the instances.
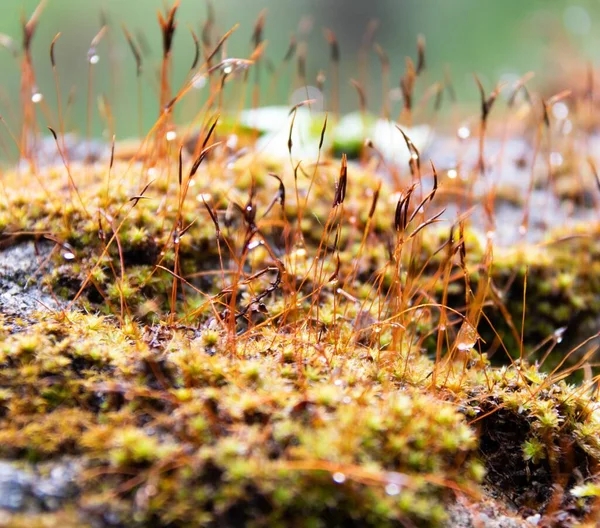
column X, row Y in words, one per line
column 230, row 429
column 292, row 363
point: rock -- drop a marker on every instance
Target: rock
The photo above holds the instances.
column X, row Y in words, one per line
column 15, row 487
column 36, row 488
column 487, row 514
column 20, row 294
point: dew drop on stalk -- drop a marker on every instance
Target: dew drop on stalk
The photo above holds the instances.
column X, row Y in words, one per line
column 452, row 174
column 339, row 478
column 254, row 244
column 522, row 229
column 467, row 337
column 463, row 132
column 560, row 110
column 232, row 65
column 94, row 59
column 559, row 333
column 232, row 141
column 36, row 97
column 300, row 252
column 199, row 81
column 556, row 159
column 171, row 135
column 491, row 234
column 392, row 489
column 68, row 255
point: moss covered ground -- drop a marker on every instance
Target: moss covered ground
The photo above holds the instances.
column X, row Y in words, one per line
column 211, row 332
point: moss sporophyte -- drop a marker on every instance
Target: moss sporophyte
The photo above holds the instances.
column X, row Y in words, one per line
column 290, row 316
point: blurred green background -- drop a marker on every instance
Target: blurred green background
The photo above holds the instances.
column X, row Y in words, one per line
column 498, row 39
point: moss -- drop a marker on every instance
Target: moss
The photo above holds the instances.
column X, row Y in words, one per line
column 260, row 343
column 229, row 430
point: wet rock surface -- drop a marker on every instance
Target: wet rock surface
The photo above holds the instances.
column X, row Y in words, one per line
column 510, row 169
column 75, row 148
column 37, row 488
column 20, row 294
column 485, row 515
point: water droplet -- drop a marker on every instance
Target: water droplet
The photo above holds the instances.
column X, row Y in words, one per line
column 68, row 255
column 463, row 132
column 171, row 135
column 232, row 141
column 452, row 174
column 199, row 81
column 467, row 337
column 338, row 382
column 491, row 234
column 560, row 110
column 559, row 333
column 94, row 59
column 232, row 65
column 339, row 478
column 392, row 489
column 254, row 244
column 36, row 97
column 556, row 159
column 522, row 229
column 207, row 197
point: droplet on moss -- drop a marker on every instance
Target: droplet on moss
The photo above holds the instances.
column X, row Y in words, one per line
column 467, row 337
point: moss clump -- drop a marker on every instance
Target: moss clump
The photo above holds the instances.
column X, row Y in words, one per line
column 273, row 392
column 539, row 441
column 242, row 329
column 229, row 439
